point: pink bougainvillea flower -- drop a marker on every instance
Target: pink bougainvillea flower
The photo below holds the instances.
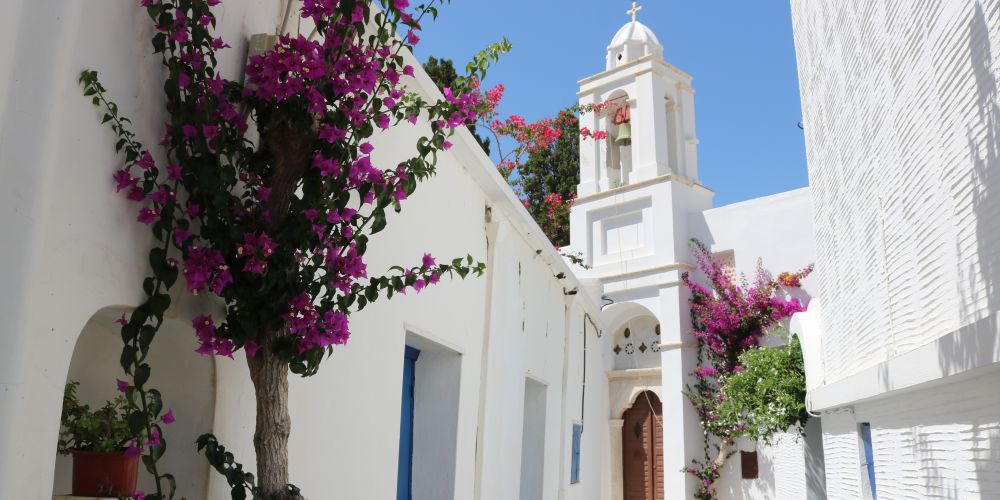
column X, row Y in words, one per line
column 154, row 437
column 122, row 385
column 173, row 172
column 210, row 131
column 122, row 321
column 428, row 260
column 132, row 451
column 147, row 215
column 251, row 348
column 168, row 417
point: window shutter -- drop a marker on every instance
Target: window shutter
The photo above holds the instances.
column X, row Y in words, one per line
column 748, row 462
column 574, row 474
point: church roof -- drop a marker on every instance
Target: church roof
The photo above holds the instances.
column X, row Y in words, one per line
column 634, row 31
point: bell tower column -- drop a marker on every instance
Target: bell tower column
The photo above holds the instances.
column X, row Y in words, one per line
column 590, row 151
column 649, row 132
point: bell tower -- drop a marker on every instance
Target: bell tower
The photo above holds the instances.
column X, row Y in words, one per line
column 650, row 118
column 650, row 151
column 639, row 201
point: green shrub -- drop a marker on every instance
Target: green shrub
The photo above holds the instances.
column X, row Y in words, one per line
column 105, row 429
column 768, row 395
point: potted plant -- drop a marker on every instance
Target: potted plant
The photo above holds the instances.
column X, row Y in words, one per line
column 97, row 440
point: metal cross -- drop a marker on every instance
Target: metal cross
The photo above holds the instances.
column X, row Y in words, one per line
column 635, row 10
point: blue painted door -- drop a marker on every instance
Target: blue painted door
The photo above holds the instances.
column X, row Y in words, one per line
column 404, row 480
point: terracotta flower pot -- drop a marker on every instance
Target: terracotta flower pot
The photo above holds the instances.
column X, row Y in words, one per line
column 98, row 473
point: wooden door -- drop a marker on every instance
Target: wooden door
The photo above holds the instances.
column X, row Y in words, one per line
column 642, row 449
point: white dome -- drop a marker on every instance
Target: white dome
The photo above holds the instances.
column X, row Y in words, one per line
column 635, row 31
column 633, row 41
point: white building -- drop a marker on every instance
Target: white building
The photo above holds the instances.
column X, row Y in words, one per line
column 902, row 120
column 520, row 374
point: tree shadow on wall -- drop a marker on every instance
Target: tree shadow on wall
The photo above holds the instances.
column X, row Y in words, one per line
column 984, row 152
column 978, row 310
column 976, row 342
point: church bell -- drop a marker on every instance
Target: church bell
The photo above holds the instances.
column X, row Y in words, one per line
column 624, row 135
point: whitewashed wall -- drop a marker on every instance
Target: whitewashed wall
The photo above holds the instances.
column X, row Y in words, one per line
column 901, row 109
column 939, row 442
column 901, row 114
column 72, row 249
column 776, row 229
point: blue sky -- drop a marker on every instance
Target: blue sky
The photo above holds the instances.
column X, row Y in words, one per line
column 740, row 54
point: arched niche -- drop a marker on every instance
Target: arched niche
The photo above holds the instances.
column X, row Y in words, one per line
column 636, row 339
column 185, row 378
column 618, row 157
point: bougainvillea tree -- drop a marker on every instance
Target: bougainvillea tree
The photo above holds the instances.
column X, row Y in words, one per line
column 264, row 194
column 729, row 317
column 542, row 162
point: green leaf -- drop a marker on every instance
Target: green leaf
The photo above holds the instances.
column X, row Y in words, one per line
column 378, row 223
column 127, row 359
column 158, row 260
column 146, row 334
column 137, row 422
column 158, row 304
column 141, row 374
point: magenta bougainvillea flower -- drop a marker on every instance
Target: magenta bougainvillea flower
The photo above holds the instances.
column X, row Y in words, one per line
column 275, row 224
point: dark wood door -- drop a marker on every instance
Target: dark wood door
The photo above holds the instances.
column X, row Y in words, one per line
column 642, row 449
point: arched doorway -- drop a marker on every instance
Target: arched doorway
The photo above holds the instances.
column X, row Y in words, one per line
column 642, row 449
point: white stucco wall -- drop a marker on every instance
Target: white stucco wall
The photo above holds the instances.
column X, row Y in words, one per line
column 938, row 442
column 777, row 229
column 72, row 248
column 901, row 113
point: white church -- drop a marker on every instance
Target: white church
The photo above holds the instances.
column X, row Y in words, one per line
column 542, row 379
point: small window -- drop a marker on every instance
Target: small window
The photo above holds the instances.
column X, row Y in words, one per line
column 574, row 472
column 868, row 457
column 748, row 462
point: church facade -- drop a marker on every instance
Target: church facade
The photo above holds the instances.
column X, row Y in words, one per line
column 541, row 380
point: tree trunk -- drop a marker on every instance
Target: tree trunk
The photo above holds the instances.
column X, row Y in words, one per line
column 725, row 448
column 270, row 440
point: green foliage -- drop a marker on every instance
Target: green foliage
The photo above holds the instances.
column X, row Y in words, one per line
column 553, row 170
column 768, row 395
column 105, row 429
column 442, row 72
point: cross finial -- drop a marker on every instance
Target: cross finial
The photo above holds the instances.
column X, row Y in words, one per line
column 635, row 10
